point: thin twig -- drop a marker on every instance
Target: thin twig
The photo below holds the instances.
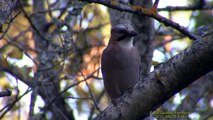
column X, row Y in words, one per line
column 156, row 3
column 10, row 106
column 185, row 8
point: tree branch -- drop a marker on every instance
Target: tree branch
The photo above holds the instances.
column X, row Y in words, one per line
column 166, row 80
column 190, row 8
column 152, row 12
column 200, row 5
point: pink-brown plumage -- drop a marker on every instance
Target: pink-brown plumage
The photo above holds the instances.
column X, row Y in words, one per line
column 120, row 63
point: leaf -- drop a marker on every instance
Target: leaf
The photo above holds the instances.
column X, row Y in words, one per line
column 25, row 71
column 3, row 62
column 14, row 52
column 4, row 83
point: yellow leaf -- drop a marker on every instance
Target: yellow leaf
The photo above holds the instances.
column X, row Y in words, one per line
column 14, row 52
column 3, row 62
column 4, row 82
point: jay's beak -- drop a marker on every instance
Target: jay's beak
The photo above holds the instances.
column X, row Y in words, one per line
column 133, row 33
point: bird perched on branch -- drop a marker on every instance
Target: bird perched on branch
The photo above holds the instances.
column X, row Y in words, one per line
column 120, row 62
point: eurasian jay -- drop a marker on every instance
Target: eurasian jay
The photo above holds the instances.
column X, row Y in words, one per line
column 120, row 62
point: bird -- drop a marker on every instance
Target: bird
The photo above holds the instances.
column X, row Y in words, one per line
column 120, row 61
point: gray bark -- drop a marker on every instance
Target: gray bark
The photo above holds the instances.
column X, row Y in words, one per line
column 144, row 41
column 6, row 7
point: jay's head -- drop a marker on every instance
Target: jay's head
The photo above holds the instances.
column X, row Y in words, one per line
column 122, row 34
column 122, row 31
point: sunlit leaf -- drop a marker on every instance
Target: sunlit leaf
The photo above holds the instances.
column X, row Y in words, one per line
column 14, row 52
column 3, row 62
column 4, row 84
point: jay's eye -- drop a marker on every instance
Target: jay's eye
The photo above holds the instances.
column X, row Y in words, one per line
column 120, row 31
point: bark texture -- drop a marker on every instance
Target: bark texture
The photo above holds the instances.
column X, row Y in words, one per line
column 6, row 7
column 166, row 80
column 144, row 41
